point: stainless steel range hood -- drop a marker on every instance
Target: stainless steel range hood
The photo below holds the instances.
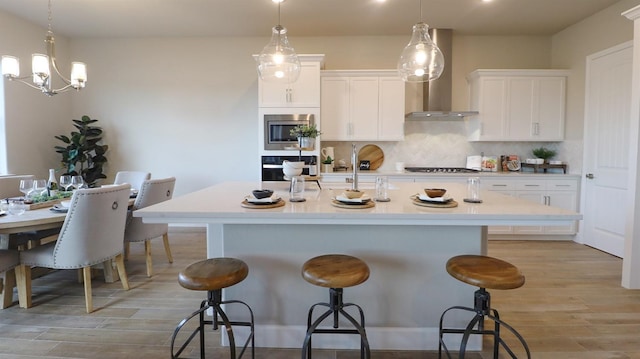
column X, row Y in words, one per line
column 436, row 94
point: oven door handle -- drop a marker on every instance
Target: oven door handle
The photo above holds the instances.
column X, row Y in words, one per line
column 280, row 166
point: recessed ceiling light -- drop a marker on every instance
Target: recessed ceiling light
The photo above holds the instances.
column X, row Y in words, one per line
column 277, row 1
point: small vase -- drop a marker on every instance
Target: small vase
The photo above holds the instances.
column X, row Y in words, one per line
column 306, row 142
column 327, row 167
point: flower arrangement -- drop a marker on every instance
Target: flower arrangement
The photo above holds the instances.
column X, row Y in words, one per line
column 543, row 153
column 305, row 131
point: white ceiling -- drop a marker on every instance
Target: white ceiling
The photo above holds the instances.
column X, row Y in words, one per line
column 141, row 18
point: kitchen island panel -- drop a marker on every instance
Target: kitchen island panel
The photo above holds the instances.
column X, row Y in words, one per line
column 407, row 290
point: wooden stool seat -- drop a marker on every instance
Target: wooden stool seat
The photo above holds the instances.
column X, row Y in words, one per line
column 485, row 272
column 335, row 271
column 213, row 274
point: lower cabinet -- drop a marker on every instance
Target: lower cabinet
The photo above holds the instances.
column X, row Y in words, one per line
column 562, row 193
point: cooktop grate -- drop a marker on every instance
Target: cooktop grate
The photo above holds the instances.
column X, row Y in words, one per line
column 440, row 170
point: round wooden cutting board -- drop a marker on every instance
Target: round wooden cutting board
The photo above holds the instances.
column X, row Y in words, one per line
column 373, row 154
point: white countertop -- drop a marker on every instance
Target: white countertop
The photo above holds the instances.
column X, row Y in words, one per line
column 515, row 174
column 221, row 204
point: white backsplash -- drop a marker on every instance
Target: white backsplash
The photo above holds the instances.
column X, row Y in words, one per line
column 438, row 143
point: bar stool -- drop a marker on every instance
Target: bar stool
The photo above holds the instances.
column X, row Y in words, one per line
column 482, row 272
column 335, row 271
column 213, row 275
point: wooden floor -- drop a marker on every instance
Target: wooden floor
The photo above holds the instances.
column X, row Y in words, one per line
column 571, row 306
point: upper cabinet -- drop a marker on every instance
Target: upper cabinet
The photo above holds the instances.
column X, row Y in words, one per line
column 305, row 92
column 517, row 105
column 362, row 105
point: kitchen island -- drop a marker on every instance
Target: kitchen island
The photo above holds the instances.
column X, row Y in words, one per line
column 405, row 245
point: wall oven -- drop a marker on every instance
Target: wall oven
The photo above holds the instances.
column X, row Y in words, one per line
column 272, row 166
column 277, row 127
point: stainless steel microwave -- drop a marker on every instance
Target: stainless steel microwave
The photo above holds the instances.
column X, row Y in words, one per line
column 277, row 129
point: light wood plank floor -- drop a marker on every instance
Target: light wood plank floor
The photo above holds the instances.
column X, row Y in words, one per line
column 572, row 306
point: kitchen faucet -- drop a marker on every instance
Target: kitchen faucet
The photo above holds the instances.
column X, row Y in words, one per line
column 354, row 163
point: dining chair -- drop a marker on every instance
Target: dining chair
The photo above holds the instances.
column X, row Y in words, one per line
column 134, row 178
column 10, row 185
column 151, row 192
column 92, row 233
column 9, row 259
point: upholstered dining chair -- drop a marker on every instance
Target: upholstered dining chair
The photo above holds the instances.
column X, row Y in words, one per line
column 10, row 185
column 92, row 233
column 152, row 192
column 9, row 259
column 134, row 178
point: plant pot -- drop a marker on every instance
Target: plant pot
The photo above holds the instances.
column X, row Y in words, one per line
column 306, row 142
column 327, row 167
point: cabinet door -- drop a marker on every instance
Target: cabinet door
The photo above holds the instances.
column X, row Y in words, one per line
column 493, row 97
column 305, row 92
column 391, row 109
column 520, row 108
column 549, row 122
column 563, row 199
column 534, row 196
column 363, row 101
column 335, row 109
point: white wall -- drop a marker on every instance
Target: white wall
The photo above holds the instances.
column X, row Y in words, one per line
column 30, row 118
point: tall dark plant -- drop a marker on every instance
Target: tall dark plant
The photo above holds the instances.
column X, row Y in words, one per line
column 83, row 155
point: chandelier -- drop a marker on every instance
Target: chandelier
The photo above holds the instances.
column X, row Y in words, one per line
column 41, row 68
column 278, row 61
column 421, row 60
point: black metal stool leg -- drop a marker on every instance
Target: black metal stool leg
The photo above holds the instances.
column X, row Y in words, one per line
column 482, row 310
column 336, row 306
column 214, row 301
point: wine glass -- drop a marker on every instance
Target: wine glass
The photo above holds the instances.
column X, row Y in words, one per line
column 39, row 187
column 26, row 186
column 65, row 182
column 77, row 182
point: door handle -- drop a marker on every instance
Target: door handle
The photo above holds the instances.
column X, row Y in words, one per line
column 590, row 176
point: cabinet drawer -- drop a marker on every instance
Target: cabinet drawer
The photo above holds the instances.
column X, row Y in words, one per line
column 497, row 185
column 562, row 185
column 530, row 185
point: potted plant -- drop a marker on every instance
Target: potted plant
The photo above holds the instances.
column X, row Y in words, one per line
column 327, row 164
column 305, row 134
column 543, row 153
column 83, row 154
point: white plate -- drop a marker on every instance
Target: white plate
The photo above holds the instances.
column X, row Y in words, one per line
column 65, row 204
column 365, row 198
column 443, row 199
column 252, row 199
column 2, row 213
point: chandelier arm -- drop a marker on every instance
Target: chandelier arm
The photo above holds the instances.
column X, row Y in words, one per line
column 21, row 80
column 51, row 51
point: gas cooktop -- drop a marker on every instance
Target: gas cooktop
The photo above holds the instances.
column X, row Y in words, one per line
column 440, row 170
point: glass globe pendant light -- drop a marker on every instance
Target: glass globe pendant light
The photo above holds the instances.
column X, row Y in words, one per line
column 421, row 60
column 278, row 61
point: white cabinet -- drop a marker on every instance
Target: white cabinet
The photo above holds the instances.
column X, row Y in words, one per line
column 517, row 105
column 305, row 92
column 562, row 193
column 362, row 106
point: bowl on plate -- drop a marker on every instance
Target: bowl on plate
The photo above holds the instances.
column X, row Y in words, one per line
column 262, row 193
column 351, row 193
column 435, row 192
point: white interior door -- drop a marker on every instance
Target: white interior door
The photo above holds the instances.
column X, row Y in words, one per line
column 606, row 148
